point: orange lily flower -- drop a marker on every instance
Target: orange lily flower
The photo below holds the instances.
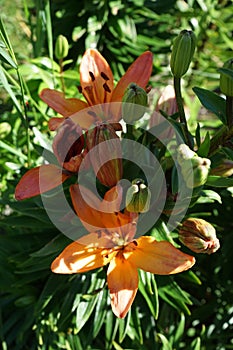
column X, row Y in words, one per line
column 112, row 242
column 68, row 147
column 97, row 87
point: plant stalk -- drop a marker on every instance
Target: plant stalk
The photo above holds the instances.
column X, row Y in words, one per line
column 179, row 101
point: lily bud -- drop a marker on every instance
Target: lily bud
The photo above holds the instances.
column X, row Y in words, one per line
column 61, row 47
column 138, row 197
column 108, row 172
column 226, row 81
column 134, row 95
column 199, row 236
column 182, row 53
column 194, row 169
column 224, row 169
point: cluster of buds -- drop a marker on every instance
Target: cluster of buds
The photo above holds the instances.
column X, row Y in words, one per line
column 138, row 197
column 199, row 236
column 194, row 169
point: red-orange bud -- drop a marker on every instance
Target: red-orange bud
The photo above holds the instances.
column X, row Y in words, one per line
column 106, row 159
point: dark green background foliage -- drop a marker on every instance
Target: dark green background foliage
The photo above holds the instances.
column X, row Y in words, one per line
column 43, row 311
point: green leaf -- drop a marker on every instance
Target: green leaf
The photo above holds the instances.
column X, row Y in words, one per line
column 100, row 312
column 165, row 342
column 150, row 294
column 179, row 331
column 9, row 90
column 198, row 135
column 123, row 326
column 4, row 55
column 209, row 196
column 204, row 148
column 218, row 181
column 88, row 302
column 212, row 102
column 52, row 247
column 171, row 292
column 196, row 344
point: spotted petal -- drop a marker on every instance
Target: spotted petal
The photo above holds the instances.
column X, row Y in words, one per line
column 96, row 78
column 160, row 258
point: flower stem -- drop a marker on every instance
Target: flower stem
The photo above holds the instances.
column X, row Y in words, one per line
column 180, row 107
column 61, row 75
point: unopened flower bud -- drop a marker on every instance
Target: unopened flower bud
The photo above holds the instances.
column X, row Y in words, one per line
column 61, row 47
column 224, row 169
column 182, row 53
column 138, row 197
column 226, row 81
column 194, row 169
column 133, row 98
column 199, row 236
column 107, row 159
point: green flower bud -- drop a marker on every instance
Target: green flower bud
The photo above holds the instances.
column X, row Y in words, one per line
column 194, row 169
column 61, row 47
column 199, row 236
column 133, row 98
column 138, row 197
column 182, row 53
column 226, row 81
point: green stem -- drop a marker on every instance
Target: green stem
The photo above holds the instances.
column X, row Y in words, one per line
column 220, row 138
column 229, row 110
column 61, row 75
column 179, row 101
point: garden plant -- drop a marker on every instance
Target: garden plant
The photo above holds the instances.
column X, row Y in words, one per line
column 116, row 140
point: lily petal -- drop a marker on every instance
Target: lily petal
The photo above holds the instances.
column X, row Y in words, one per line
column 101, row 239
column 77, row 258
column 112, row 200
column 57, row 101
column 123, row 284
column 139, row 73
column 89, row 210
column 86, row 206
column 39, row 180
column 160, row 258
column 55, row 122
column 96, row 78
